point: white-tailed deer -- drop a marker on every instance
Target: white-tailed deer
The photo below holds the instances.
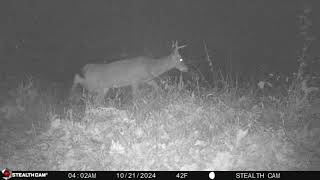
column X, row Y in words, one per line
column 99, row 78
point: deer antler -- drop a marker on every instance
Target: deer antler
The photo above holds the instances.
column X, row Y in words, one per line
column 176, row 47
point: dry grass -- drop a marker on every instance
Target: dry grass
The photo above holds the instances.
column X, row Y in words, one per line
column 181, row 127
column 172, row 130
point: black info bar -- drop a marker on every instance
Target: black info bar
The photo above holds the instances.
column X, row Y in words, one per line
column 8, row 174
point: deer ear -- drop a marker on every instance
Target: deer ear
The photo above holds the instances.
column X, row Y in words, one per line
column 173, row 44
column 180, row 47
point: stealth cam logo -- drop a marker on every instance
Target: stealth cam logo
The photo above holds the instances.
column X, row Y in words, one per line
column 6, row 173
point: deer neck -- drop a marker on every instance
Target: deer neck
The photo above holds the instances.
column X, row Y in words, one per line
column 162, row 65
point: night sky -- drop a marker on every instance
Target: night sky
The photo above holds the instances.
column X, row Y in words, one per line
column 57, row 37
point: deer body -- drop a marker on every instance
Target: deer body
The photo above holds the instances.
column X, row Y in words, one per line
column 99, row 78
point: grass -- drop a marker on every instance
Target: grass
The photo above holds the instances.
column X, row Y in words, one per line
column 180, row 130
column 182, row 127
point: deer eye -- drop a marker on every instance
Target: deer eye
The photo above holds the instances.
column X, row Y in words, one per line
column 180, row 59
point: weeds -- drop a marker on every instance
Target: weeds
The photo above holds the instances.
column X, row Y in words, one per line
column 183, row 126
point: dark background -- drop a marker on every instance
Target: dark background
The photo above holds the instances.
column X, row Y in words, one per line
column 55, row 38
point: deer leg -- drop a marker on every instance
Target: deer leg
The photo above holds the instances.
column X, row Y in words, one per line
column 134, row 89
column 105, row 91
column 99, row 98
column 154, row 85
column 73, row 94
column 77, row 80
column 103, row 94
